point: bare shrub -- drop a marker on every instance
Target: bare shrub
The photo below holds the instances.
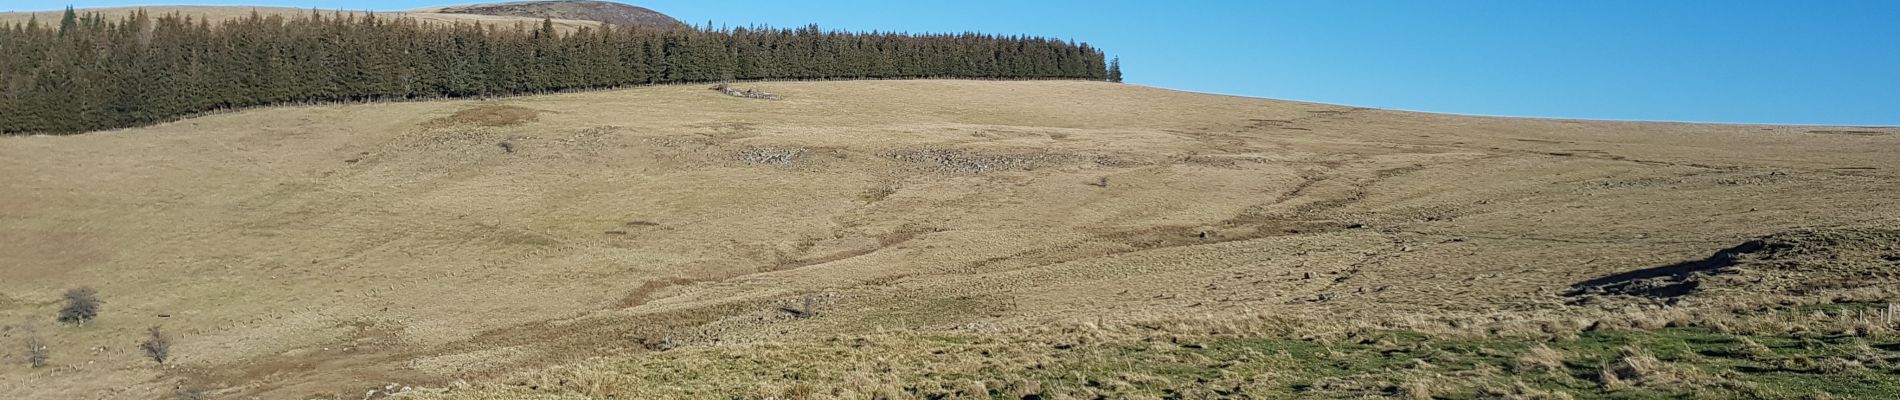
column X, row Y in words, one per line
column 82, row 305
column 35, row 352
column 157, row 346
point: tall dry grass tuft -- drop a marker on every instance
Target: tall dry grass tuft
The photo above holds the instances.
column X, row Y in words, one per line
column 1755, row 351
column 1416, row 390
column 1540, row 359
column 800, row 391
column 1521, row 391
column 1632, row 365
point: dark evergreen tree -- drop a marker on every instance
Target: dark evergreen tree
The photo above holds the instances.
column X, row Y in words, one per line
column 87, row 73
column 1115, row 70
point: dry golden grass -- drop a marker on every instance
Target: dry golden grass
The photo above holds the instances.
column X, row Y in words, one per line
column 321, row 251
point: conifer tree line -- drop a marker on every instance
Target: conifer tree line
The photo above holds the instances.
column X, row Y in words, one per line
column 87, row 73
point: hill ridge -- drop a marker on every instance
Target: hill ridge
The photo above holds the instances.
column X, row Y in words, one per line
column 586, row 10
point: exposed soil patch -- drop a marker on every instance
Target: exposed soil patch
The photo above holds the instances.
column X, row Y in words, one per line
column 490, row 115
column 1849, row 132
column 1795, row 263
column 1670, row 281
column 367, row 354
column 644, row 293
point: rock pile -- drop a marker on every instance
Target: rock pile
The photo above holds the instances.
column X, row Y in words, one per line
column 770, row 156
column 960, row 162
column 746, row 93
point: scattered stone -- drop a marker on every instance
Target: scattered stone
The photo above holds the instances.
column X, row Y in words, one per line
column 961, row 162
column 746, row 93
column 770, row 156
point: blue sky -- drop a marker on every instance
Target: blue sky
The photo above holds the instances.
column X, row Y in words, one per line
column 1827, row 62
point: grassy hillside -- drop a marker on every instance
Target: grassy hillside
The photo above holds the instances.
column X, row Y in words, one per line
column 958, row 238
column 588, row 10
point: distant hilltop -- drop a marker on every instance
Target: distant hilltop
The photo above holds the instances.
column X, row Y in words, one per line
column 585, row 10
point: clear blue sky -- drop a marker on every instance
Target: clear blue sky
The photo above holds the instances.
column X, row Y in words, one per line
column 1820, row 62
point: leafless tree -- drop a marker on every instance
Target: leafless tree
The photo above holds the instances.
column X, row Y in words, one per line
column 35, row 352
column 157, row 346
column 82, row 305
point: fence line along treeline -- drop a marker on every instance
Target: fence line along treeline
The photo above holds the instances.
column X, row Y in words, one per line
column 86, row 73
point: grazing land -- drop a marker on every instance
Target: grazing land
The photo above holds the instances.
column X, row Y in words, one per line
column 947, row 238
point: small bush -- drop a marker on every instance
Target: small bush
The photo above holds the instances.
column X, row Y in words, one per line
column 82, row 305
column 157, row 346
column 35, row 352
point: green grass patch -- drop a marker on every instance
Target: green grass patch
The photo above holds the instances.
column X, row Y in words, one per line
column 1694, row 362
column 1663, row 363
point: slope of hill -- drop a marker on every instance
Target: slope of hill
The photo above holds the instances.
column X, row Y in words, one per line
column 585, row 10
column 960, row 238
column 221, row 13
